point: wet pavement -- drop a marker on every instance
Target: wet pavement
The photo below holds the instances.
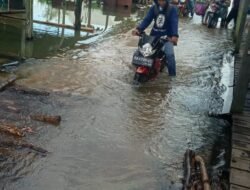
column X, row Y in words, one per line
column 114, row 135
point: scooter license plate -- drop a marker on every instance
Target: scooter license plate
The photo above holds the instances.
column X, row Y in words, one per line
column 142, row 61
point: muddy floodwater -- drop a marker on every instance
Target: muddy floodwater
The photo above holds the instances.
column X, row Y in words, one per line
column 114, row 135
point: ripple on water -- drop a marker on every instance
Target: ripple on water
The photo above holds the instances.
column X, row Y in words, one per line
column 122, row 137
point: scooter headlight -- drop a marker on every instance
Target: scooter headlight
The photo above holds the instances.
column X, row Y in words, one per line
column 147, row 50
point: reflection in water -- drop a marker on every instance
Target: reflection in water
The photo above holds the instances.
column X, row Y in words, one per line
column 115, row 136
column 48, row 40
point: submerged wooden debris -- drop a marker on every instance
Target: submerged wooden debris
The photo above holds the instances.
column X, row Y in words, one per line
column 19, row 145
column 9, row 106
column 4, row 153
column 7, row 83
column 30, row 91
column 54, row 120
column 15, row 109
column 196, row 177
column 11, row 129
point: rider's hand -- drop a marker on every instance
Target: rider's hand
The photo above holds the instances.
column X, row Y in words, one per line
column 174, row 40
column 135, row 32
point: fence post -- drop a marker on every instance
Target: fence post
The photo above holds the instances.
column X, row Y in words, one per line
column 29, row 19
column 89, row 13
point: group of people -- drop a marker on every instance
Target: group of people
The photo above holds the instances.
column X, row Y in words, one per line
column 225, row 17
column 233, row 13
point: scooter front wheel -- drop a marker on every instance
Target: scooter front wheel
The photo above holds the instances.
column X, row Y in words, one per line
column 212, row 21
column 140, row 78
column 162, row 66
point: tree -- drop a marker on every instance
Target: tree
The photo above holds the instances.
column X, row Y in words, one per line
column 78, row 13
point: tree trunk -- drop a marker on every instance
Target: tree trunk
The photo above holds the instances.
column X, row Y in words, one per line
column 78, row 13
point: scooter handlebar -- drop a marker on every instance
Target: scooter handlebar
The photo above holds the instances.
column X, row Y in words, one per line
column 136, row 32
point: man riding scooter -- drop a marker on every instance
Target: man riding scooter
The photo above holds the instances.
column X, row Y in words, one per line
column 165, row 19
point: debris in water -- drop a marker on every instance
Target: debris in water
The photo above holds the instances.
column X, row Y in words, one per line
column 25, row 90
column 196, row 177
column 55, row 120
column 8, row 106
column 23, row 145
column 11, row 129
column 27, row 129
column 15, row 63
column 4, row 154
column 8, row 82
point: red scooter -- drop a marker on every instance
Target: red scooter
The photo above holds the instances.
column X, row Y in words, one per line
column 149, row 59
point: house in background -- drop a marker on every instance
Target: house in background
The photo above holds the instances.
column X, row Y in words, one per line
column 118, row 3
column 6, row 5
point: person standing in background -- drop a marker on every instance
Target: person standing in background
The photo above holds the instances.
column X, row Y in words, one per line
column 190, row 5
column 224, row 13
column 233, row 13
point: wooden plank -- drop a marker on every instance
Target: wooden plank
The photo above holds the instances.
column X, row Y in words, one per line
column 240, row 164
column 12, row 11
column 241, row 130
column 241, row 145
column 241, row 88
column 244, row 115
column 247, row 101
column 247, row 109
column 243, row 154
column 240, row 137
column 240, row 160
column 248, row 95
column 239, row 177
column 83, row 28
column 236, row 187
column 247, row 105
column 242, row 123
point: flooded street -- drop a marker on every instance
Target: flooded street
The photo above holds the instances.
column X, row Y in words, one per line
column 114, row 135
